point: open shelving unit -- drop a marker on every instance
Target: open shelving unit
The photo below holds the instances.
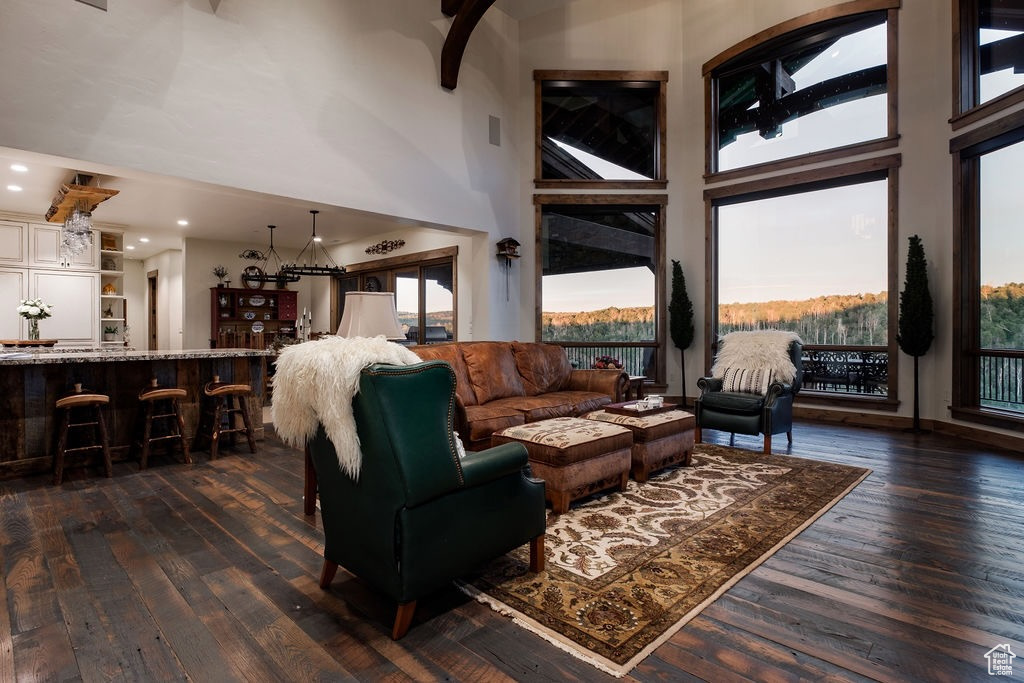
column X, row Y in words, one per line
column 113, row 304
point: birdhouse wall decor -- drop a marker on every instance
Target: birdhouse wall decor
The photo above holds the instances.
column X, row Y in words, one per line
column 508, row 250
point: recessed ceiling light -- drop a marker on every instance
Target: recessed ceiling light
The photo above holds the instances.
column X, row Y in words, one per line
column 143, row 239
column 182, row 222
column 130, row 247
column 19, row 168
column 14, row 188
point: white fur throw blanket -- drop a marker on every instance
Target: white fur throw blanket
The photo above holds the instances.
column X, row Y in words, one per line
column 757, row 350
column 315, row 382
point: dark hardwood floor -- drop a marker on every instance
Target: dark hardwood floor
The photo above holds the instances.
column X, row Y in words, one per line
column 208, row 572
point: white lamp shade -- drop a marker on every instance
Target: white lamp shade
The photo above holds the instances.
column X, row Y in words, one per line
column 370, row 314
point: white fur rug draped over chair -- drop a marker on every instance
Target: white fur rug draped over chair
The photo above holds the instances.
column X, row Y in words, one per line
column 752, row 384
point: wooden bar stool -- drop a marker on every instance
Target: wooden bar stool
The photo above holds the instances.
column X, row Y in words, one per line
column 161, row 403
column 81, row 402
column 227, row 402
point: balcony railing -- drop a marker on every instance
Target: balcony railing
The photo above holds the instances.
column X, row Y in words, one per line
column 1001, row 375
column 638, row 358
column 846, row 370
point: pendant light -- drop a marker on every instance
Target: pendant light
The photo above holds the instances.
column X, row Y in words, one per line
column 310, row 263
column 261, row 272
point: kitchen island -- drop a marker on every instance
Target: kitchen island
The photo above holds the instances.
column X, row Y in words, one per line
column 33, row 380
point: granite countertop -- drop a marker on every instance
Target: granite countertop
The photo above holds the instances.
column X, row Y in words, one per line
column 57, row 356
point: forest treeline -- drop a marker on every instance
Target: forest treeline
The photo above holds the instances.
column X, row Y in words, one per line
column 852, row 320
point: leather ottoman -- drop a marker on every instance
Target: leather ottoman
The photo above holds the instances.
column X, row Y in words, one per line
column 659, row 439
column 574, row 457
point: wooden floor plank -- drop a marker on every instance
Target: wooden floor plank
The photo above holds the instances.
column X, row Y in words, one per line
column 189, row 571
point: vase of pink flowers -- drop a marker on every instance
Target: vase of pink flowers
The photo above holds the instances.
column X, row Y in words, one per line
column 34, row 310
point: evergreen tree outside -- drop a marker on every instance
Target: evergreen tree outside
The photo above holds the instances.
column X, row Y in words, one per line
column 915, row 326
column 680, row 319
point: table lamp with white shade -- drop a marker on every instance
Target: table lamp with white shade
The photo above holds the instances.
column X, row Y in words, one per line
column 370, row 314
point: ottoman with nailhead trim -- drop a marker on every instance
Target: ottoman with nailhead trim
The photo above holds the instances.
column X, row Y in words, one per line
column 574, row 457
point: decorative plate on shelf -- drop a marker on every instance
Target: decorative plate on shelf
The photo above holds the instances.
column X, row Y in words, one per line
column 249, row 315
column 257, row 300
column 257, row 327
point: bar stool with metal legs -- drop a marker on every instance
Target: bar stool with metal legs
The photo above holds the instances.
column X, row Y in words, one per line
column 227, row 402
column 161, row 403
column 82, row 405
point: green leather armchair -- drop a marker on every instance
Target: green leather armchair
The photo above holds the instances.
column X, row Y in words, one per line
column 749, row 413
column 419, row 516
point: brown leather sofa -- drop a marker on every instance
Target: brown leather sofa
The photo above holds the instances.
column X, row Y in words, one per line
column 502, row 384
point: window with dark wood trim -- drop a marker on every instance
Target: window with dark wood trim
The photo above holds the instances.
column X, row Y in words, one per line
column 598, row 253
column 600, row 129
column 988, row 285
column 817, row 232
column 988, row 59
column 797, row 91
column 426, row 292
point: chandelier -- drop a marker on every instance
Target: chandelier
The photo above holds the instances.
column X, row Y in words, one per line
column 309, row 263
column 73, row 206
column 76, row 235
column 260, row 273
column 385, row 246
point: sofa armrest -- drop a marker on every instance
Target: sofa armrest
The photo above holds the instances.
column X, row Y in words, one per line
column 610, row 381
column 481, row 467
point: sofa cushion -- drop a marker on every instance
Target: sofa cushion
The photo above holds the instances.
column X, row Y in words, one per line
column 536, row 408
column 543, row 367
column 451, row 354
column 492, row 370
column 483, row 421
column 581, row 401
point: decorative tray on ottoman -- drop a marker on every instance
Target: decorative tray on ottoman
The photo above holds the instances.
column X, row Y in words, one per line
column 629, row 408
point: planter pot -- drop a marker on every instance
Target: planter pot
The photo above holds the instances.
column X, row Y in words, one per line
column 109, row 337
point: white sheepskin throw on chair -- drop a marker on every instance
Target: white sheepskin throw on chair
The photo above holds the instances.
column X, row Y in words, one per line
column 315, row 382
column 757, row 350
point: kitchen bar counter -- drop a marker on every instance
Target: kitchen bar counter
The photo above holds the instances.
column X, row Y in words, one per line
column 34, row 379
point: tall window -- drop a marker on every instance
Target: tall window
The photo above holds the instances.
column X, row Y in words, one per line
column 601, row 283
column 813, row 259
column 989, row 348
column 600, row 128
column 809, row 246
column 815, row 87
column 991, row 57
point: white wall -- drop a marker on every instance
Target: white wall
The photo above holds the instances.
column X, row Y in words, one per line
column 170, row 288
column 337, row 103
column 135, row 290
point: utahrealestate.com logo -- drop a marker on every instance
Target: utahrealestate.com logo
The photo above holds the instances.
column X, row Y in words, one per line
column 1000, row 660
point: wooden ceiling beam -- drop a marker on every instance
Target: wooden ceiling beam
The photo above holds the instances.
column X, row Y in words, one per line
column 468, row 14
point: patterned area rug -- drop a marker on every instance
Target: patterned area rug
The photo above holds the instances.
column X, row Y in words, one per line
column 627, row 570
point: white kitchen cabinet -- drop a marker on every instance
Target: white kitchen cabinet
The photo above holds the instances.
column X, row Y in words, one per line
column 45, row 252
column 13, row 288
column 73, row 296
column 13, row 243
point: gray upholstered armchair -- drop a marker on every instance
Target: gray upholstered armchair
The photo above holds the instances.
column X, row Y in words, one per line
column 752, row 384
column 419, row 515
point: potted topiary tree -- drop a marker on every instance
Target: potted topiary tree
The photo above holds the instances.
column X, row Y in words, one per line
column 915, row 332
column 680, row 319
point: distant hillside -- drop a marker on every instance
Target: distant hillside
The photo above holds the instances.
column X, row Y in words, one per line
column 607, row 324
column 847, row 319
column 1002, row 316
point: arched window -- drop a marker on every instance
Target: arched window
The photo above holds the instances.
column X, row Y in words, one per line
column 810, row 245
